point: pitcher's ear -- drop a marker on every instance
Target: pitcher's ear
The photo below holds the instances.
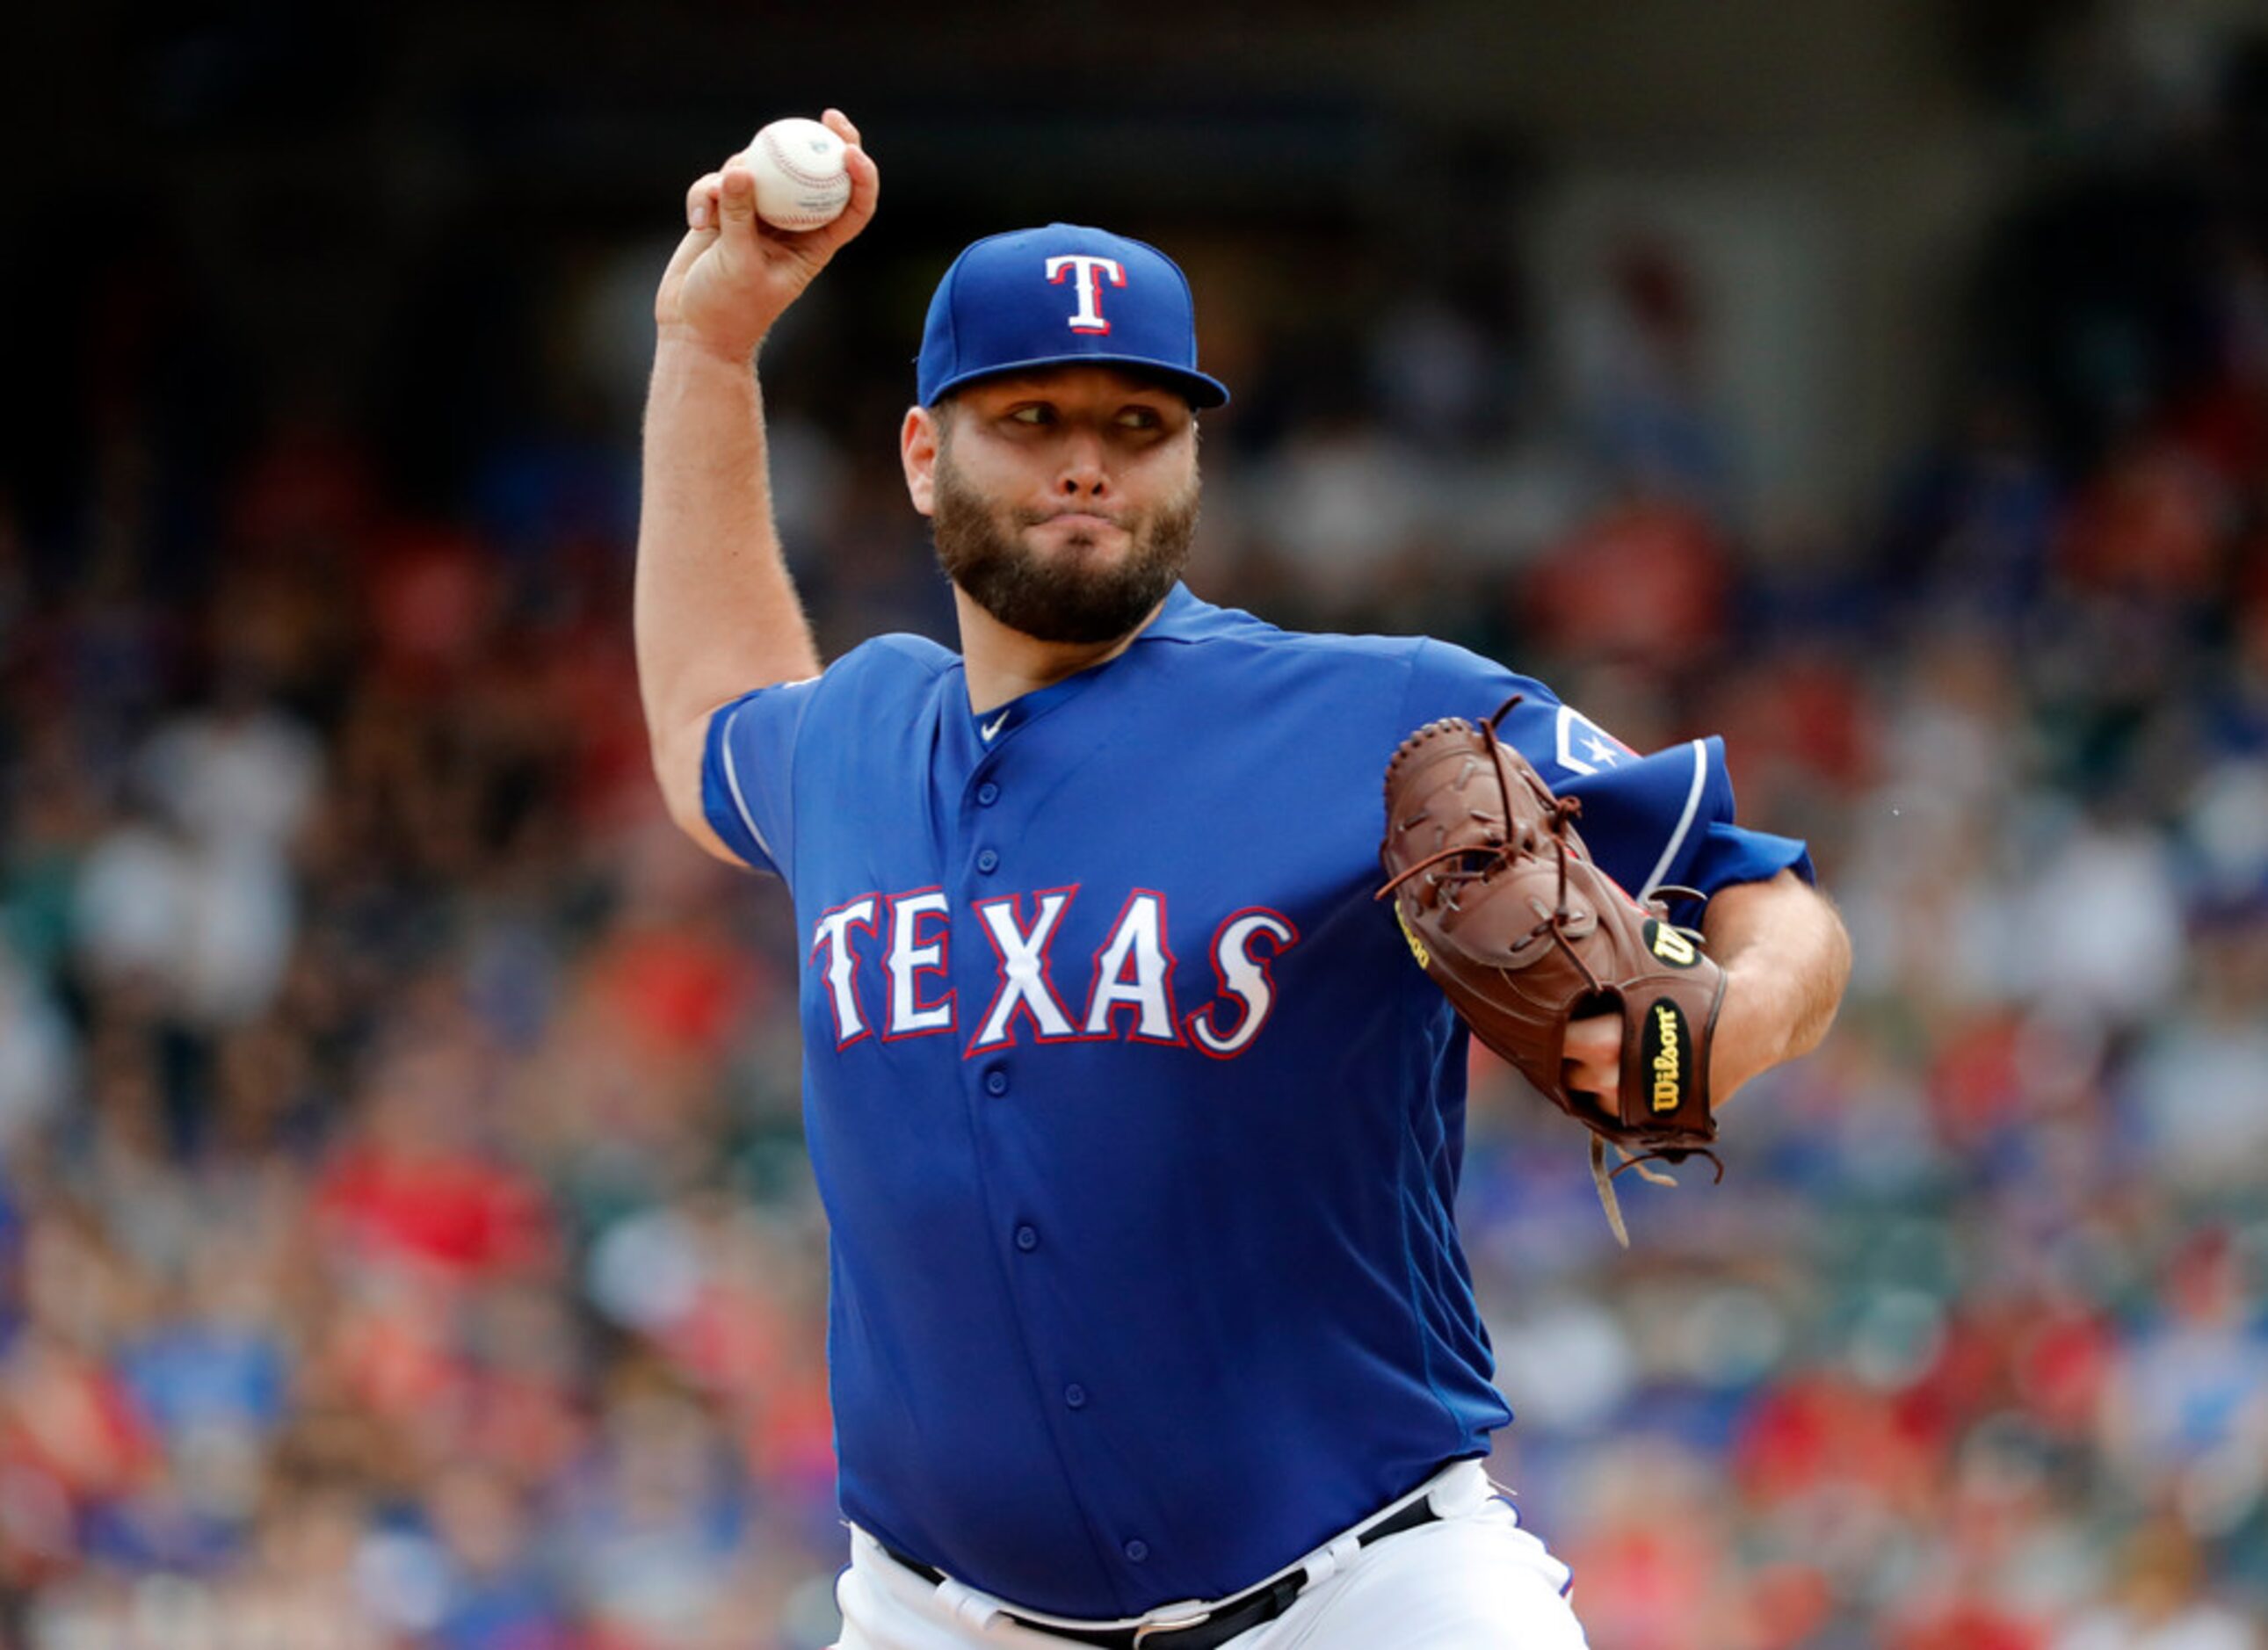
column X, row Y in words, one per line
column 919, row 438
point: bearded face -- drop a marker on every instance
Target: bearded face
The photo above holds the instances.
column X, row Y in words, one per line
column 1078, row 591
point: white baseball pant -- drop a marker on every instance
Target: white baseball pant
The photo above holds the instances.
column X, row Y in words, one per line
column 1474, row 1579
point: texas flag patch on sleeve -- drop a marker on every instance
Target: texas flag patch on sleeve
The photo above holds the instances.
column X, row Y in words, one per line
column 1583, row 746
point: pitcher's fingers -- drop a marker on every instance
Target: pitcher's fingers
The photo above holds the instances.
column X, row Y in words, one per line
column 691, row 245
column 1595, row 1038
column 736, row 207
column 865, row 190
column 1601, row 1083
column 701, row 203
column 836, row 121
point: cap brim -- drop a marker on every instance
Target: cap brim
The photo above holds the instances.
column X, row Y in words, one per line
column 1198, row 390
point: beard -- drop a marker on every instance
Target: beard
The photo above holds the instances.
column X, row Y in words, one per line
column 1061, row 597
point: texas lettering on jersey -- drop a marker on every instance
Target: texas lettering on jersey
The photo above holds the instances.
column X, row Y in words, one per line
column 886, row 958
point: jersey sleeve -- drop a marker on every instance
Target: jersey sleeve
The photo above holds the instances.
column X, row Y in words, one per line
column 747, row 773
column 1650, row 821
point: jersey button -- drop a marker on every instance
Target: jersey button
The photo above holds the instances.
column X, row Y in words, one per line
column 988, row 793
column 1136, row 1550
column 1027, row 1239
column 987, row 862
column 996, row 1081
column 1075, row 1395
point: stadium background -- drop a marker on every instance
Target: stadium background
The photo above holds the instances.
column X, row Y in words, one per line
column 404, row 1237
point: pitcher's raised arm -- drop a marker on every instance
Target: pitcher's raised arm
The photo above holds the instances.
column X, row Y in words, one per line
column 715, row 612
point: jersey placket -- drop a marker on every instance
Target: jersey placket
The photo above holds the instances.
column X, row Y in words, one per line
column 1005, row 916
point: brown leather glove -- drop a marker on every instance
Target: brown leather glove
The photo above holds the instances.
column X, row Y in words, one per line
column 1502, row 905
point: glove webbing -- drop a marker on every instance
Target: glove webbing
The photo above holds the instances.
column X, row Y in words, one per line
column 1564, row 809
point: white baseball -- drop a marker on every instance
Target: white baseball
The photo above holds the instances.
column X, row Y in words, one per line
column 801, row 183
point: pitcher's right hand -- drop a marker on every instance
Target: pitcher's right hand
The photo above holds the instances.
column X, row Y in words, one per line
column 734, row 275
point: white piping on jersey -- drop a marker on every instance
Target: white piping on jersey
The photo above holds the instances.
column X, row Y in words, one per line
column 1684, row 820
column 733, row 780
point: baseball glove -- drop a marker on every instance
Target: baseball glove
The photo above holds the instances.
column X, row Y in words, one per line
column 1503, row 906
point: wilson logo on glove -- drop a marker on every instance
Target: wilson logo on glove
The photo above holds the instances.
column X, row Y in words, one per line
column 1417, row 946
column 1665, row 1057
column 1670, row 944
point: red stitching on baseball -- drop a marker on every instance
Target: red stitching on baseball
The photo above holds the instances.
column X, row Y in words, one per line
column 779, row 157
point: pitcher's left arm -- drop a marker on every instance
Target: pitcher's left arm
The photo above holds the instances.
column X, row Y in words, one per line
column 1787, row 960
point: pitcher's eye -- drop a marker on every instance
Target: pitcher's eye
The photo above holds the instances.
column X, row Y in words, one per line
column 1140, row 418
column 1034, row 413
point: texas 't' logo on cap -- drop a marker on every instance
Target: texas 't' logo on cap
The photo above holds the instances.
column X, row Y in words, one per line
column 1062, row 295
column 1087, row 273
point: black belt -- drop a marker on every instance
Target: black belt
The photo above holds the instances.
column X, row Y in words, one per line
column 1218, row 1626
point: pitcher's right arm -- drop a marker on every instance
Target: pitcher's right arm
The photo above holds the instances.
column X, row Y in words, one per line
column 715, row 612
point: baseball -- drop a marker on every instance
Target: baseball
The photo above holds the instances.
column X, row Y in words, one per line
column 801, row 183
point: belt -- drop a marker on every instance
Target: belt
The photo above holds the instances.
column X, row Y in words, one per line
column 1218, row 1626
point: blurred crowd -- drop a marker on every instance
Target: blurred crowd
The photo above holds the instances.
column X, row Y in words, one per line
column 405, row 1240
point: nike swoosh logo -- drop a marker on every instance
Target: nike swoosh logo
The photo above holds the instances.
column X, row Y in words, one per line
column 994, row 726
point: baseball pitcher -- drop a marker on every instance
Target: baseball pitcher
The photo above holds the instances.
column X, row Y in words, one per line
column 1138, row 1112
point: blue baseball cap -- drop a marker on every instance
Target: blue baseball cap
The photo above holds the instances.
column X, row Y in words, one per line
column 1062, row 296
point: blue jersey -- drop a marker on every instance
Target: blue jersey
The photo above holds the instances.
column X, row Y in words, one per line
column 1137, row 1128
